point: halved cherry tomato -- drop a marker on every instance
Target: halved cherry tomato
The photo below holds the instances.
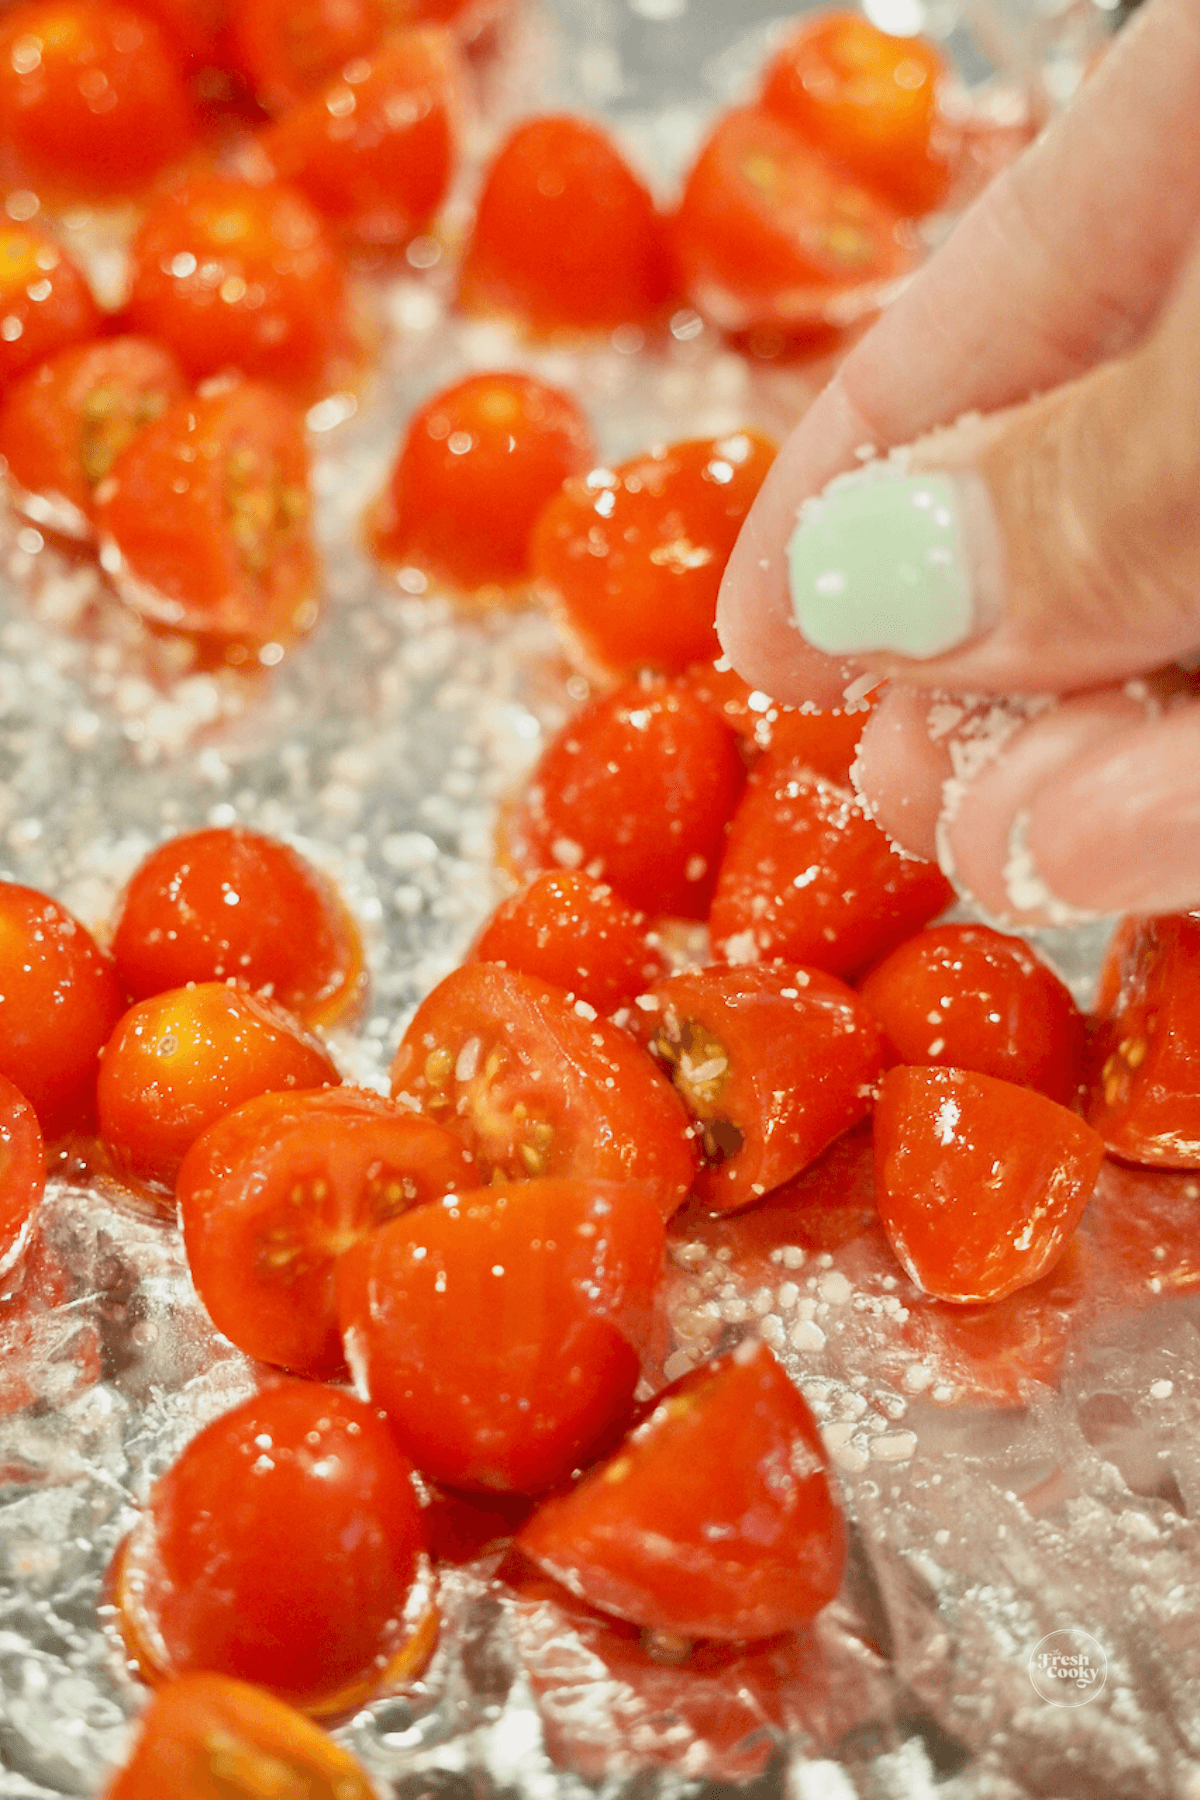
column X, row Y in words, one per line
column 205, row 522
column 283, row 1547
column 824, row 741
column 574, row 932
column 207, row 1737
column 477, row 465
column 537, row 1084
column 1145, row 1101
column 180, row 1061
column 637, row 790
column 713, row 1519
column 286, row 50
column 22, row 1172
column 631, row 558
column 979, row 1183
column 45, row 303
column 59, row 1001
column 228, row 903
column 809, row 876
column 275, row 1191
column 566, row 236
column 498, row 1330
column 772, row 1062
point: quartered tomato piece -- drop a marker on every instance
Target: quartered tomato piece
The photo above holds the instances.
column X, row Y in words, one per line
column 566, row 237
column 179, row 1062
column 772, row 1062
column 286, row 49
column 970, row 998
column 283, row 1547
column 275, row 1191
column 824, row 741
column 205, row 522
column 979, row 1183
column 537, row 1084
column 632, row 558
column 207, row 1737
column 230, row 904
column 714, row 1518
column 45, row 303
column 809, row 876
column 498, row 1330
column 22, row 1172
column 637, row 790
column 1145, row 1102
column 478, row 463
column 575, row 933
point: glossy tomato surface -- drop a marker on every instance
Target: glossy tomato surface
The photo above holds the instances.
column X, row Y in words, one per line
column 286, row 50
column 574, row 932
column 22, row 1172
column 1145, row 1100
column 45, row 303
column 826, row 742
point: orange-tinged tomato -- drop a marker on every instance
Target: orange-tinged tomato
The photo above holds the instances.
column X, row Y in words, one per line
column 45, row 303
column 575, row 933
column 826, row 742
column 22, row 1172
column 1145, row 1099
column 286, row 48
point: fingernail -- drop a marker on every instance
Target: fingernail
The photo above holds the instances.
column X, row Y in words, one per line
column 886, row 559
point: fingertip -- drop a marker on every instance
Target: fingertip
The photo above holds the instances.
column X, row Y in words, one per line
column 900, row 771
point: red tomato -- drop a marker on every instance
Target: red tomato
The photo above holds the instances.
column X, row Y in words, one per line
column 632, row 558
column 276, row 1190
column 810, row 877
column 464, row 1527
column 45, row 303
column 205, row 522
column 236, row 276
column 773, row 1064
column 538, row 1085
column 868, row 100
column 1145, row 1102
column 283, row 1547
column 638, row 790
column 286, row 50
column 229, row 904
column 22, row 1172
column 477, row 465
column 179, row 1062
column 59, row 1001
column 769, row 233
column 63, row 424
column 824, row 741
column 566, row 237
column 206, row 1737
column 713, row 1519
column 576, row 934
column 979, row 1183
column 969, row 998
column 374, row 151
column 195, row 28
column 497, row 1330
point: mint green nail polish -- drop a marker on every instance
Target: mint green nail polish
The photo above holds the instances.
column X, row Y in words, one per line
column 878, row 562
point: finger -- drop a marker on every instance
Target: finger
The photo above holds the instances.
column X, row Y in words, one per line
column 901, row 768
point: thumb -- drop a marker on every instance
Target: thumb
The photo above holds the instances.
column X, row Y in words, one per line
column 1052, row 546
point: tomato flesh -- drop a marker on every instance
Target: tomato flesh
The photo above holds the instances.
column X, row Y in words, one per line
column 22, row 1172
column 45, row 303
column 576, row 934
column 1145, row 1101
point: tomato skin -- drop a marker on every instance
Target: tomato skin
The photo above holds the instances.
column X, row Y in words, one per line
column 64, row 313
column 538, row 1086
column 826, row 742
column 319, row 1619
column 477, row 465
column 1145, row 1099
column 178, row 1062
column 22, row 1172
column 285, row 50
column 966, row 997
column 229, row 903
column 574, row 933
column 631, row 558
column 979, row 1183
column 637, row 790
column 274, row 1192
column 713, row 1519
column 497, row 1329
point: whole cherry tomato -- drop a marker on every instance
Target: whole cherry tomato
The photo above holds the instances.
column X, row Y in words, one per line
column 576, row 933
column 45, row 303
column 22, row 1172
column 1145, row 1100
column 285, row 49
column 826, row 742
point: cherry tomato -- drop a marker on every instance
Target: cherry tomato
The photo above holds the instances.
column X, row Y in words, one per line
column 539, row 1085
column 869, row 100
column 566, row 237
column 205, row 522
column 274, row 1192
column 477, row 465
column 230, row 903
column 283, row 1547
column 180, row 1061
column 374, row 151
column 979, row 1183
column 809, row 876
column 638, row 790
column 497, row 1330
column 286, row 49
column 237, row 276
column 464, row 1527
column 63, row 424
column 59, row 1001
column 45, row 303
column 22, row 1172
column 970, row 998
column 772, row 1062
column 1145, row 1102
column 770, row 233
column 713, row 1519
column 824, row 741
column 197, row 30
column 632, row 558
column 576, row 934
column 206, row 1737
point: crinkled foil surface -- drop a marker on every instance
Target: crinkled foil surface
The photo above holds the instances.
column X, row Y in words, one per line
column 381, row 748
